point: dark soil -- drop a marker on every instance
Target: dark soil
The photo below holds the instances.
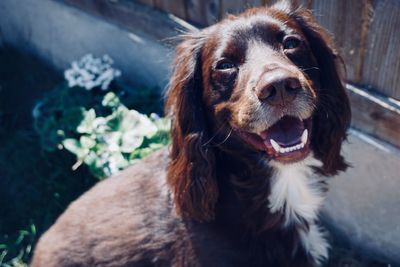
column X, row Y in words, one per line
column 35, row 186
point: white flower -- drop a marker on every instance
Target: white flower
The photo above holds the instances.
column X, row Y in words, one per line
column 116, row 163
column 138, row 122
column 91, row 72
column 112, row 140
column 134, row 128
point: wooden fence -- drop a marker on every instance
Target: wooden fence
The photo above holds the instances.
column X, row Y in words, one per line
column 366, row 31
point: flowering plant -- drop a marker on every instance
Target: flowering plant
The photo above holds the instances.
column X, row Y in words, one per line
column 111, row 143
column 90, row 72
column 94, row 124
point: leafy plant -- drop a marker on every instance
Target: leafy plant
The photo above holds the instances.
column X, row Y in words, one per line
column 111, row 143
column 86, row 117
column 23, row 243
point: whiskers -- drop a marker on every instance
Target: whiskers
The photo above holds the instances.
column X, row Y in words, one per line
column 311, row 68
column 209, row 142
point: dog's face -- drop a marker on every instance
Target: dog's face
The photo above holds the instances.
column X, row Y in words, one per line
column 264, row 83
column 260, row 81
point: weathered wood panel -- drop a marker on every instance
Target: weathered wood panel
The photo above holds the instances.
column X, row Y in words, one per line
column 344, row 19
column 374, row 115
column 176, row 7
column 203, row 12
column 381, row 69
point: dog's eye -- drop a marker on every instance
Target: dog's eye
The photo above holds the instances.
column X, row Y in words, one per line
column 291, row 42
column 225, row 65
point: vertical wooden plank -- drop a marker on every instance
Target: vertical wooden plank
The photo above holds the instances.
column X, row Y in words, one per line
column 382, row 58
column 344, row 19
column 203, row 12
column 306, row 3
column 237, row 6
column 176, row 7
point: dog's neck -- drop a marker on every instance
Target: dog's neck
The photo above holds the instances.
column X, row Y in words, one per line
column 296, row 191
column 272, row 196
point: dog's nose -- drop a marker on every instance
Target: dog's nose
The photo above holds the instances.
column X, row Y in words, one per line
column 278, row 87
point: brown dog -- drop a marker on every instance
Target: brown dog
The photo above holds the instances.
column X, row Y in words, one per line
column 259, row 115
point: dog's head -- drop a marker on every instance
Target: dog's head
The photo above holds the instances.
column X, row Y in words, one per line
column 266, row 81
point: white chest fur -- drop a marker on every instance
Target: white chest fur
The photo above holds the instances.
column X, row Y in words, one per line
column 297, row 192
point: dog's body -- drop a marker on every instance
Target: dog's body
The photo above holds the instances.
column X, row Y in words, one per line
column 129, row 220
column 108, row 226
column 259, row 113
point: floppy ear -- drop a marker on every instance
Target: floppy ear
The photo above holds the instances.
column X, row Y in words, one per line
column 333, row 114
column 191, row 173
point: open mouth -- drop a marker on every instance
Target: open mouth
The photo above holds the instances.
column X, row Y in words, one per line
column 287, row 140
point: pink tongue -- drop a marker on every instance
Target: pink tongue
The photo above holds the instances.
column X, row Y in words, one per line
column 286, row 132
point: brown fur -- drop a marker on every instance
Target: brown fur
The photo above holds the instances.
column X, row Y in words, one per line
column 205, row 202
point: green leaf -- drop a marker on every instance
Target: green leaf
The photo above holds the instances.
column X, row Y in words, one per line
column 131, row 141
column 87, row 142
column 86, row 125
column 110, row 100
column 76, row 148
column 72, row 145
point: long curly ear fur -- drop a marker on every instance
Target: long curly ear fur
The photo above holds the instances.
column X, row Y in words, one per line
column 191, row 173
column 333, row 114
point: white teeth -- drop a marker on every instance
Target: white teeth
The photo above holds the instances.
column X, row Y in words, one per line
column 275, row 145
column 282, row 150
column 304, row 137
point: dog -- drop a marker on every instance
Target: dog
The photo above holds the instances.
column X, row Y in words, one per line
column 259, row 113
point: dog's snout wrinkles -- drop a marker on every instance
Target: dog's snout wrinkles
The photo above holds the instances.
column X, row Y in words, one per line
column 278, row 87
